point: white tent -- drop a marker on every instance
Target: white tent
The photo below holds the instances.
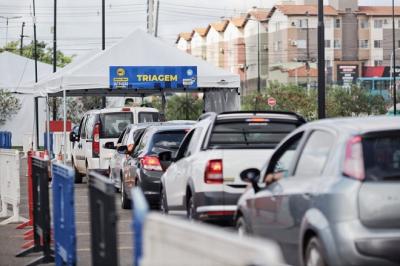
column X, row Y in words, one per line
column 17, row 74
column 138, row 49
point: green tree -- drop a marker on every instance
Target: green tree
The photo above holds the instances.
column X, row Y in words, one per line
column 9, row 106
column 180, row 107
column 44, row 53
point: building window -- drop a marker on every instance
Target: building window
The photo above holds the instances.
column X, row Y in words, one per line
column 378, row 44
column 364, row 23
column 303, row 23
column 337, row 23
column 378, row 62
column 327, row 43
column 336, row 44
column 378, row 23
column 363, row 43
column 328, row 63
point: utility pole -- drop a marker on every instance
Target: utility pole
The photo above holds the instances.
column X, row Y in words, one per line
column 157, row 14
column 36, row 77
column 321, row 60
column 21, row 44
column 308, row 51
column 103, row 40
column 7, row 19
column 394, row 61
column 55, row 55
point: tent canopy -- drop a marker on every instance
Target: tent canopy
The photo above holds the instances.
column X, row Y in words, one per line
column 18, row 72
column 91, row 76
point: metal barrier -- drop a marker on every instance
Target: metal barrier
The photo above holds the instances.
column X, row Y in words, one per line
column 139, row 212
column 30, row 196
column 103, row 221
column 64, row 214
column 41, row 213
column 173, row 241
column 10, row 186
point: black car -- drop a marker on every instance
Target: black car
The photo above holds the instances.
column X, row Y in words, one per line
column 143, row 168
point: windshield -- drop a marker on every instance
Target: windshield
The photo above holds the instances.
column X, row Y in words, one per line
column 145, row 117
column 167, row 140
column 249, row 134
column 113, row 124
column 382, row 158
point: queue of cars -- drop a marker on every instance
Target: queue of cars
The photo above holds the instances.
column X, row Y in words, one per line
column 327, row 191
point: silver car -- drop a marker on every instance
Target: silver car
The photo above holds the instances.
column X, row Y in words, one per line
column 330, row 194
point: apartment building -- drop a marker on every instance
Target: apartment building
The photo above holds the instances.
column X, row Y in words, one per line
column 215, row 43
column 199, row 43
column 256, row 45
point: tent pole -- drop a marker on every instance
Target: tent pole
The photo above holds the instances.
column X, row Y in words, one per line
column 163, row 102
column 65, row 125
column 48, row 125
column 36, row 123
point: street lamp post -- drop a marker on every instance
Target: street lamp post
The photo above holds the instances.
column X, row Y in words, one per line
column 393, row 76
column 7, row 19
column 394, row 60
column 321, row 60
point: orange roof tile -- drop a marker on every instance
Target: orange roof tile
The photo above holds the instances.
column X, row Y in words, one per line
column 293, row 10
column 259, row 14
column 379, row 10
column 302, row 72
column 201, row 31
column 187, row 36
column 220, row 26
column 238, row 21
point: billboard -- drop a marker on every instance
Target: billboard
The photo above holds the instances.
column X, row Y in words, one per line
column 347, row 74
column 153, row 77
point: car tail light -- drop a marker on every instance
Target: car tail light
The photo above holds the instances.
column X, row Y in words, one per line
column 96, row 140
column 151, row 163
column 213, row 173
column 354, row 163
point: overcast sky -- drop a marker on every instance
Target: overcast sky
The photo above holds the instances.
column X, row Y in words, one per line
column 79, row 21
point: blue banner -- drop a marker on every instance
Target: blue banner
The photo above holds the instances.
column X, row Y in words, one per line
column 153, row 77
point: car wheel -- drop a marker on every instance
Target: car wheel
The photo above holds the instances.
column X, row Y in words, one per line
column 314, row 255
column 125, row 202
column 78, row 176
column 241, row 227
column 191, row 208
column 163, row 202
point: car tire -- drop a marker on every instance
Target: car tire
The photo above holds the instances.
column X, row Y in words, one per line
column 78, row 176
column 241, row 227
column 163, row 202
column 314, row 255
column 191, row 208
column 125, row 202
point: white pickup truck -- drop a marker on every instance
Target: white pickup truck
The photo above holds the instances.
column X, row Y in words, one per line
column 203, row 177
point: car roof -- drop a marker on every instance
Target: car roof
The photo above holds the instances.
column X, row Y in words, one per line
column 168, row 127
column 122, row 109
column 262, row 114
column 358, row 125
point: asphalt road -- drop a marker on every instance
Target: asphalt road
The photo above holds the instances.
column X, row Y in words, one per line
column 11, row 239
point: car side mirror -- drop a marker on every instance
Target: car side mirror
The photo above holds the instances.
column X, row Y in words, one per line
column 123, row 149
column 251, row 175
column 166, row 159
column 73, row 137
column 109, row 145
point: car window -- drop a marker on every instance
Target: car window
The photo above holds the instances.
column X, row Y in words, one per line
column 145, row 117
column 313, row 158
column 166, row 141
column 194, row 141
column 119, row 141
column 249, row 134
column 143, row 143
column 285, row 158
column 112, row 124
column 135, row 136
column 91, row 120
column 83, row 128
column 382, row 157
column 125, row 136
column 184, row 146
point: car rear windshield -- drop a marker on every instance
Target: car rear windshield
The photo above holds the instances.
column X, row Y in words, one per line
column 382, row 158
column 112, row 124
column 145, row 117
column 166, row 140
column 249, row 134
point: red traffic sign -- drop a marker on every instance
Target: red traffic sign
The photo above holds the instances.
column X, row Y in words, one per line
column 271, row 101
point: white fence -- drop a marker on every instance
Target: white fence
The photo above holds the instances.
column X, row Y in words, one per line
column 10, row 185
column 172, row 241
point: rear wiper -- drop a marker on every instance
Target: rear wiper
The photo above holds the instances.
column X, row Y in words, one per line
column 245, row 138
